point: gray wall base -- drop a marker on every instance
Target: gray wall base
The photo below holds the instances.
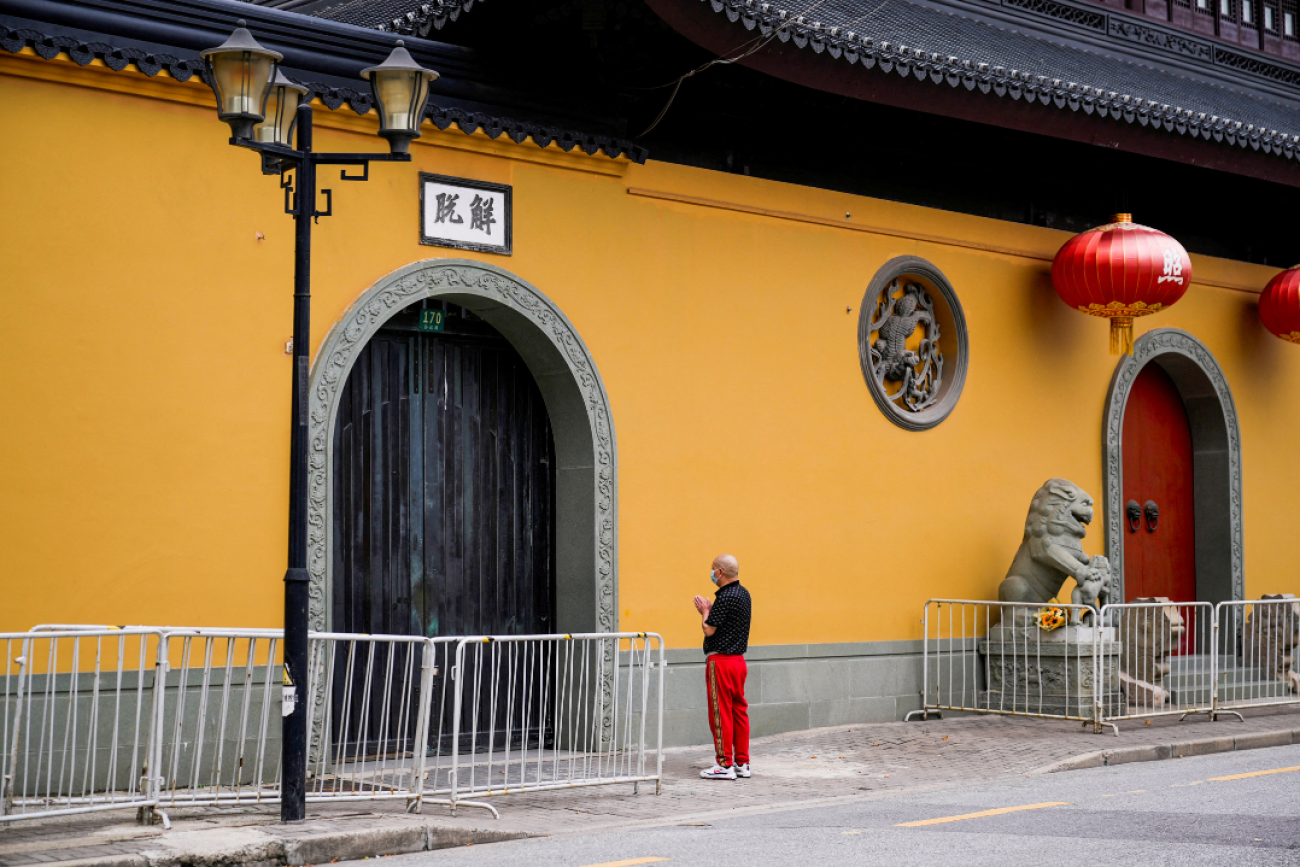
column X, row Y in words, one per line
column 792, row 687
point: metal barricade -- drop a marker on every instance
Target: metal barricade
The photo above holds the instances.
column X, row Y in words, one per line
column 542, row 712
column 218, row 717
column 105, row 718
column 1015, row 658
column 376, row 710
column 79, row 721
column 1166, row 658
column 369, row 700
column 1258, row 653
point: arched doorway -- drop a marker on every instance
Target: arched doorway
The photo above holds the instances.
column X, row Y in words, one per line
column 585, row 453
column 1158, row 491
column 443, row 484
column 1171, row 433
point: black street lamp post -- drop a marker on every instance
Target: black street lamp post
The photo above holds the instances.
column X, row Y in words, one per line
column 246, row 80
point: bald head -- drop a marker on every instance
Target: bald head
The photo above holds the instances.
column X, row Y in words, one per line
column 727, row 565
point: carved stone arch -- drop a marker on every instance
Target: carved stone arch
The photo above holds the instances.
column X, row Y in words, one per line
column 576, row 401
column 1216, row 459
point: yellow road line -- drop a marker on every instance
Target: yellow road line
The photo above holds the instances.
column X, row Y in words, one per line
column 1254, row 774
column 629, row 862
column 981, row 814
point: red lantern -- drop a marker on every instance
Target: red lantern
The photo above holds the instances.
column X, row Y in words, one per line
column 1119, row 271
column 1279, row 305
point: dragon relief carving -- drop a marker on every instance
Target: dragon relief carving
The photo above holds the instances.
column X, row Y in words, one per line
column 902, row 307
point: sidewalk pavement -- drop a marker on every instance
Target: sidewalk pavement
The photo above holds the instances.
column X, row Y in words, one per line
column 799, row 769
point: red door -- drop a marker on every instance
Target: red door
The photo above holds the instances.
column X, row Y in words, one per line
column 1158, row 468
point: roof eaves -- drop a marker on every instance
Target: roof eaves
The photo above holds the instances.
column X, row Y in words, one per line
column 118, row 58
column 1112, row 30
column 958, row 73
column 410, row 18
column 427, row 17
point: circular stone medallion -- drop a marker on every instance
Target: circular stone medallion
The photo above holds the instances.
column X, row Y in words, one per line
column 912, row 343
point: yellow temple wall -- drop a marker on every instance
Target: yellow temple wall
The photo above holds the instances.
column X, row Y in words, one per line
column 147, row 301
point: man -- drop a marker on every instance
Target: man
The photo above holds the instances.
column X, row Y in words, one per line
column 726, row 638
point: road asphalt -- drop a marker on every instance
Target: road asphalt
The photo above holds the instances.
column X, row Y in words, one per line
column 859, row 776
column 1240, row 809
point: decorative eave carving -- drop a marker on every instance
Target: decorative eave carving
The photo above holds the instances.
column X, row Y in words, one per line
column 1256, row 66
column 118, row 58
column 1153, row 36
column 854, row 48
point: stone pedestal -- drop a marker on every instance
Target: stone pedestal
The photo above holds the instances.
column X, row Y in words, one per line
column 1270, row 637
column 1149, row 636
column 1028, row 670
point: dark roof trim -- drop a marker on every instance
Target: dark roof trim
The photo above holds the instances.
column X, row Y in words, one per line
column 118, row 58
column 418, row 19
column 956, row 72
column 1103, row 25
column 427, row 17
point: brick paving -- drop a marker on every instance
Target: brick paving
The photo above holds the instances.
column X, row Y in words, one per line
column 847, row 761
column 842, row 762
column 70, row 853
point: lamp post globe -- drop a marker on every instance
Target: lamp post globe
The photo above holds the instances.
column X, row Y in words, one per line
column 241, row 72
column 281, row 115
column 267, row 112
column 401, row 88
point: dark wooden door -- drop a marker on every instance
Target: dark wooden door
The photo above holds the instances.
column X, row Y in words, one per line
column 444, row 480
column 1158, row 467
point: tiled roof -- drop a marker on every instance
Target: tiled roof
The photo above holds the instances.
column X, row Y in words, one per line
column 960, row 48
column 182, row 68
column 408, row 17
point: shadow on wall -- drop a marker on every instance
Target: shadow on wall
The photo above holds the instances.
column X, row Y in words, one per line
column 1056, row 326
column 1261, row 353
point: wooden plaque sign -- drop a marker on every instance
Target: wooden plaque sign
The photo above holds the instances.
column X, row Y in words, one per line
column 465, row 214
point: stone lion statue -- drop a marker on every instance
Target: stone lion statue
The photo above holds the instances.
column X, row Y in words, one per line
column 1052, row 549
column 1093, row 589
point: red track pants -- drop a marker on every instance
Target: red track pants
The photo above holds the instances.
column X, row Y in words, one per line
column 728, row 710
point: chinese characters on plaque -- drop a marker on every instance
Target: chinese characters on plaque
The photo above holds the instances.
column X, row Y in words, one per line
column 465, row 214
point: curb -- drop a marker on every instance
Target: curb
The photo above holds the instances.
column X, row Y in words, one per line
column 313, row 842
column 318, row 848
column 1174, row 750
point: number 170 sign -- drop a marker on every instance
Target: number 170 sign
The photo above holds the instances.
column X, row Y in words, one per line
column 465, row 214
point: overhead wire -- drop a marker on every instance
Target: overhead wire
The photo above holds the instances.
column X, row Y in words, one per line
column 745, row 49
column 752, row 46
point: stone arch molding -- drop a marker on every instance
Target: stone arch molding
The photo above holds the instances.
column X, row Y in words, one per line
column 1216, row 458
column 586, row 451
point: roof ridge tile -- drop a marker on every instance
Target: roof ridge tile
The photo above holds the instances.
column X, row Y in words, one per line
column 118, row 58
column 1023, row 85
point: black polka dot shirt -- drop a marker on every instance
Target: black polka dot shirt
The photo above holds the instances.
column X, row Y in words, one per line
column 730, row 617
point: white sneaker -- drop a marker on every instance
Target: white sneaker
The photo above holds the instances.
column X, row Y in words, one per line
column 718, row 772
column 742, row 771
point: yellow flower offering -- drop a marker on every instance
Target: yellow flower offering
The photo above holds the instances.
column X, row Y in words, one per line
column 1050, row 618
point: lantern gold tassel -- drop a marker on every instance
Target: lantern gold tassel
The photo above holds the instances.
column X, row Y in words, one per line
column 1121, row 335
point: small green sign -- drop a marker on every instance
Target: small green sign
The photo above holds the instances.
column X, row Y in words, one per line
column 432, row 320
